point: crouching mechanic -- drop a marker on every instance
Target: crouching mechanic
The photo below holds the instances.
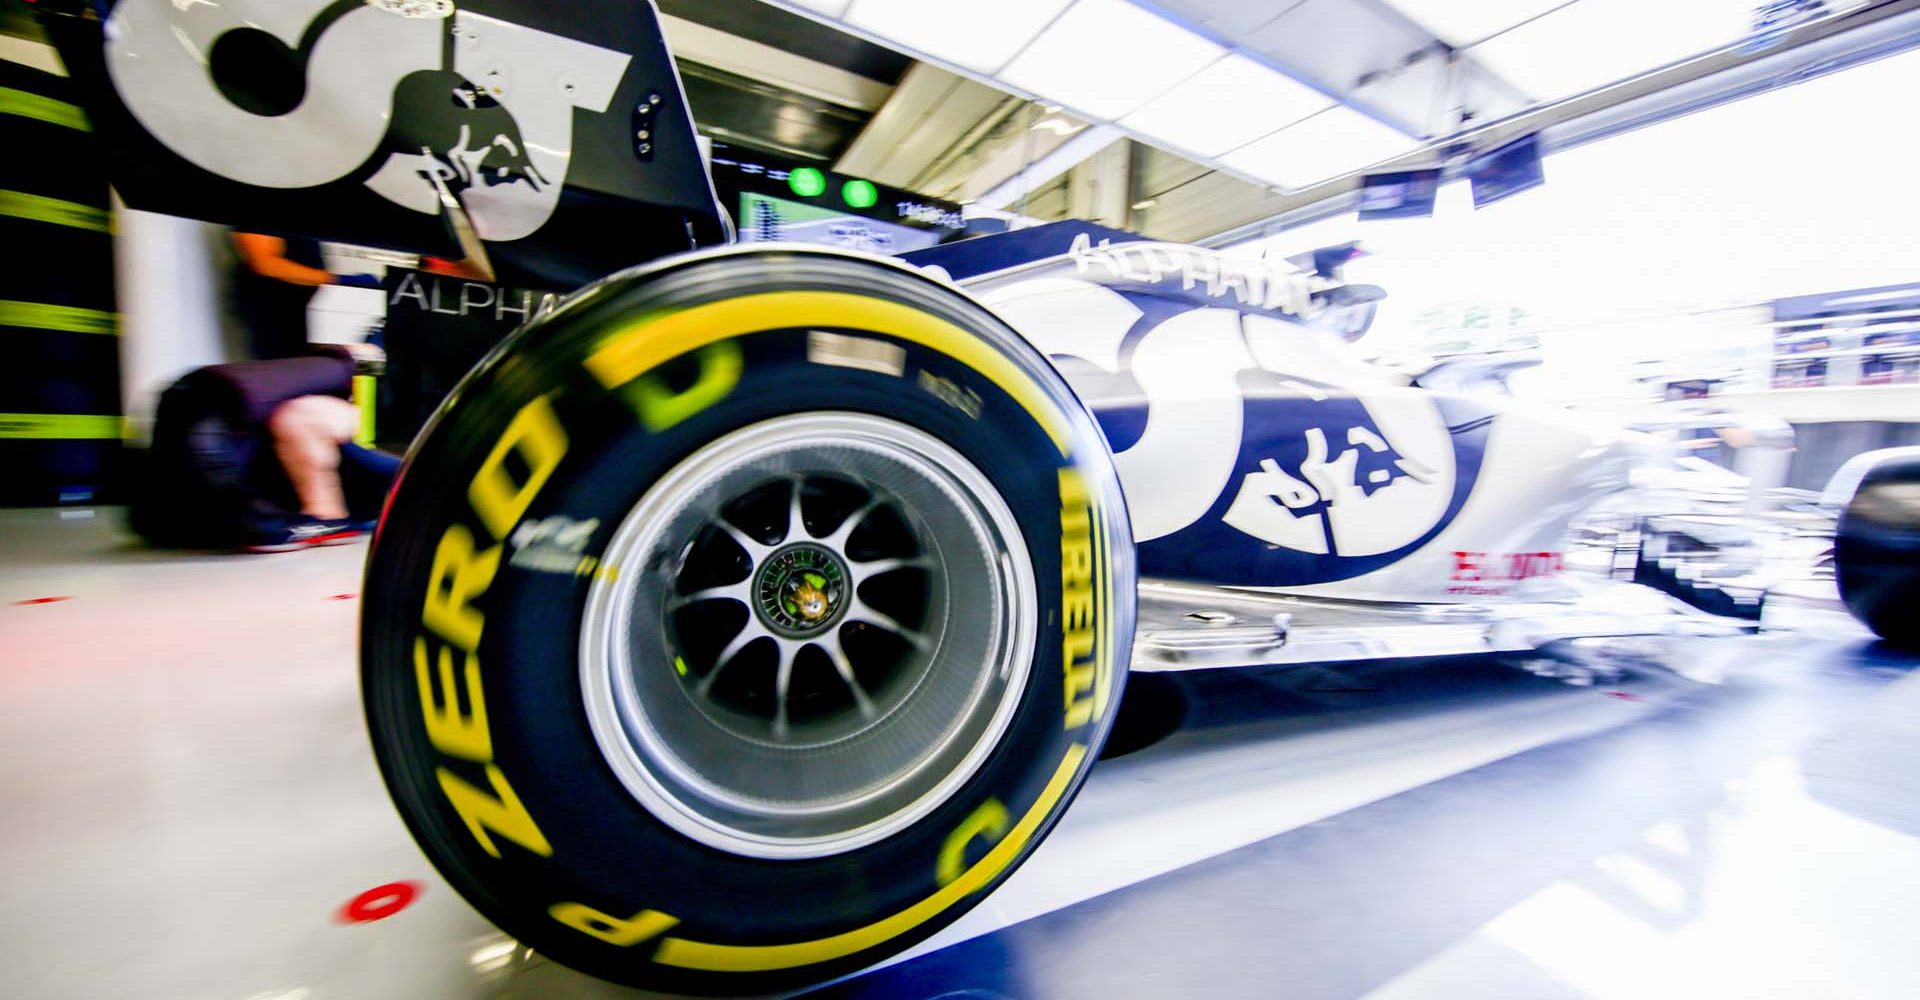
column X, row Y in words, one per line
column 260, row 455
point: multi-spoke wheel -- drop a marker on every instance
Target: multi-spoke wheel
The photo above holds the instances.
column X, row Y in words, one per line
column 746, row 620
column 815, row 629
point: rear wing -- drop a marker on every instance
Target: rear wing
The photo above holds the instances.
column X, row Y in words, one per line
column 558, row 134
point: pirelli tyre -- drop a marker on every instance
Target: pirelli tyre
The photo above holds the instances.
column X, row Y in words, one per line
column 746, row 620
column 1876, row 551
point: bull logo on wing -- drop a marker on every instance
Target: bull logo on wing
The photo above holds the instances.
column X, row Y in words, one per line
column 498, row 144
column 407, row 95
column 469, row 137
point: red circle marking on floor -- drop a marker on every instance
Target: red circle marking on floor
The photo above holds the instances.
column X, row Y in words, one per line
column 343, row 597
column 380, row 902
column 41, row 600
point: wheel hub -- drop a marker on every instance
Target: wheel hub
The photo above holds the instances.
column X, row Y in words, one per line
column 801, row 590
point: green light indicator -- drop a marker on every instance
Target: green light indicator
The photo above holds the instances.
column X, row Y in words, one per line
column 860, row 194
column 807, row 182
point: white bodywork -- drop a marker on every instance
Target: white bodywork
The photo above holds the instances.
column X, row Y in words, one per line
column 1538, row 467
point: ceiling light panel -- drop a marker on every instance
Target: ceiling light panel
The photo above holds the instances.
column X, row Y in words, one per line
column 1106, row 58
column 981, row 37
column 1227, row 105
column 1231, row 19
column 1597, row 42
column 1464, row 22
column 831, row 8
column 1333, row 143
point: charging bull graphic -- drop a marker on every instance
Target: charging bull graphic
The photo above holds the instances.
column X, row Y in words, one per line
column 448, row 128
column 1253, row 449
column 300, row 93
column 1348, row 485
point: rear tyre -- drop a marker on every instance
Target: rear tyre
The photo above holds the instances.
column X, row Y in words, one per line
column 1876, row 552
column 746, row 620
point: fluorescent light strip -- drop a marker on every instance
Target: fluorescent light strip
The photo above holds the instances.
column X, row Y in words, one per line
column 1333, row 143
column 1225, row 106
column 1464, row 22
column 981, row 38
column 1106, row 58
column 1113, row 61
column 1594, row 43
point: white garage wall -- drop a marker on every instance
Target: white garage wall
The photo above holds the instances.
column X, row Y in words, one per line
column 168, row 278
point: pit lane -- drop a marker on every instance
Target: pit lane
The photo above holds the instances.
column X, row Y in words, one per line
column 192, row 808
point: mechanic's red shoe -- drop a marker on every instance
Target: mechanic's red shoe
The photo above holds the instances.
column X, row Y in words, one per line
column 306, row 533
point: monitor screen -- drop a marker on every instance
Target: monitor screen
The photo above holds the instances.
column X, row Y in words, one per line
column 766, row 219
column 1507, row 171
column 1405, row 195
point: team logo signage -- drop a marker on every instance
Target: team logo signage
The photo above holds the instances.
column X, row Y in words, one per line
column 1372, row 480
column 1253, row 451
column 294, row 94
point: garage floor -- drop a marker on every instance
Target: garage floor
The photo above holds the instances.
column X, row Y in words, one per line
column 190, row 808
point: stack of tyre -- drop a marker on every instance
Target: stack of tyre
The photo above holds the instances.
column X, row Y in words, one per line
column 59, row 390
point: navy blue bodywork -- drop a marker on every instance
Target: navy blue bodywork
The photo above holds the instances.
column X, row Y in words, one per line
column 1278, row 413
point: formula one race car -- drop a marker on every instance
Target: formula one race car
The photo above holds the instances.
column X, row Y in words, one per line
column 752, row 614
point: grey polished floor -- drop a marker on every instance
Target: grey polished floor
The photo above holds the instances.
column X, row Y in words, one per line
column 189, row 802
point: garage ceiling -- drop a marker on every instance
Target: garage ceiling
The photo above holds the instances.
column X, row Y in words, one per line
column 1185, row 119
column 760, row 76
column 1238, row 110
column 1294, row 93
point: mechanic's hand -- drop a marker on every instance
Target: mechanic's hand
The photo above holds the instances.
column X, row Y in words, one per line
column 356, row 280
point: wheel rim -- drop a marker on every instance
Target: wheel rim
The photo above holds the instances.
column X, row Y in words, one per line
column 812, row 632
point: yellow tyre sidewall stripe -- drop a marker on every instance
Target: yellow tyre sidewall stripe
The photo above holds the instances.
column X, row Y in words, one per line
column 1103, row 598
column 687, row 954
column 637, row 348
column 647, row 343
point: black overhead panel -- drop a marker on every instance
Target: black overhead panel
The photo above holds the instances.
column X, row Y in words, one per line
column 769, row 25
column 745, row 112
